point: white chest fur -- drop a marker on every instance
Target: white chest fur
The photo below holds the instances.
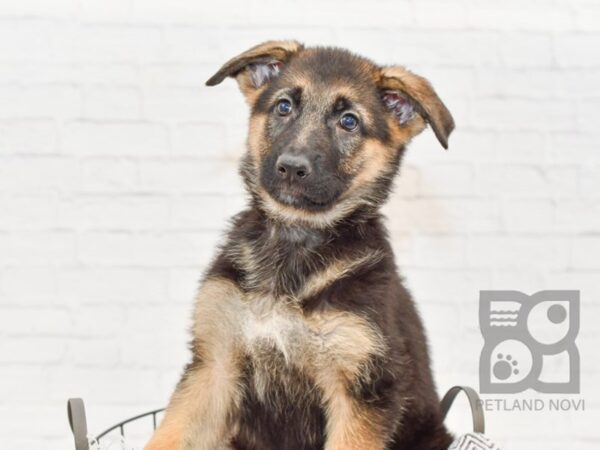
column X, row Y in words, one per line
column 271, row 325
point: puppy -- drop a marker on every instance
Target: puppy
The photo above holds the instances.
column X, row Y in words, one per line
column 304, row 337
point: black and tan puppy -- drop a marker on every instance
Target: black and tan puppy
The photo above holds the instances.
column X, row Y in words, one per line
column 304, row 337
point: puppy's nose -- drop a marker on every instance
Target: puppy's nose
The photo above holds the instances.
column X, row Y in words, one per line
column 293, row 167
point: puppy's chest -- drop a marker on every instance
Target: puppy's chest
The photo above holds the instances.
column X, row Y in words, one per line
column 277, row 334
column 279, row 338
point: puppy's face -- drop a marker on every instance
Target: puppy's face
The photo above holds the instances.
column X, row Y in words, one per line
column 327, row 128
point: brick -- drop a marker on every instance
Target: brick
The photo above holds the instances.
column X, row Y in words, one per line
column 183, row 285
column 503, row 252
column 192, row 104
column 190, row 212
column 586, row 16
column 122, row 44
column 32, row 350
column 158, row 11
column 577, row 215
column 440, row 251
column 449, row 215
column 104, row 385
column 447, row 180
column 195, row 44
column 35, row 321
column 37, row 248
column 149, row 250
column 572, row 148
column 511, row 180
column 121, row 74
column 531, row 83
column 523, row 147
column 424, row 47
column 28, row 137
column 101, row 286
column 116, row 213
column 201, row 140
column 112, row 103
column 95, row 320
column 34, row 101
column 578, row 50
column 450, row 287
column 114, row 138
column 107, row 11
column 526, row 50
column 441, row 15
column 515, row 15
column 528, row 215
column 585, row 115
column 188, row 75
column 40, row 72
column 518, row 114
column 29, row 285
column 524, row 279
column 37, row 175
column 23, row 384
column 50, row 425
column 108, row 175
column 32, row 37
column 589, row 181
column 578, row 83
column 585, row 252
column 94, row 353
column 160, row 338
column 29, row 212
column 58, row 9
column 206, row 177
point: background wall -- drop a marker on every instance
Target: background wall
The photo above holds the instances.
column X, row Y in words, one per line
column 118, row 173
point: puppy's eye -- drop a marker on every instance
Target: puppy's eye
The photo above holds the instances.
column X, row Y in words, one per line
column 349, row 122
column 284, row 107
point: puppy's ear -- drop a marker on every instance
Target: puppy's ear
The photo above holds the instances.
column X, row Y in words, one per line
column 254, row 68
column 406, row 94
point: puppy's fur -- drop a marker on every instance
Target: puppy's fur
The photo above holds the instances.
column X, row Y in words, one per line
column 304, row 337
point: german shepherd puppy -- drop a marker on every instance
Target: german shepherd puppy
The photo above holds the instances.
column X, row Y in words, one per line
column 304, row 337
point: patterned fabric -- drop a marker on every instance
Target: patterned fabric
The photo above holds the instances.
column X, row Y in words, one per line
column 473, row 441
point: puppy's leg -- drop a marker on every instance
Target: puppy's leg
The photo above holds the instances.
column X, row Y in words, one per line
column 354, row 421
column 351, row 426
column 201, row 411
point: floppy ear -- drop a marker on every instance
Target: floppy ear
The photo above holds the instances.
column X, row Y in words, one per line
column 257, row 66
column 406, row 94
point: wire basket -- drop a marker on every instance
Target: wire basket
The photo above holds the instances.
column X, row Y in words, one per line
column 78, row 421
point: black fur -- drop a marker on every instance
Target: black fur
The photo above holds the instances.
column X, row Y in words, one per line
column 395, row 387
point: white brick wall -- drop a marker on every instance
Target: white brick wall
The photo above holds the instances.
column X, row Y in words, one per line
column 118, row 173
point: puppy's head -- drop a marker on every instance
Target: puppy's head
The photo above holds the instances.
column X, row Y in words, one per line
column 327, row 128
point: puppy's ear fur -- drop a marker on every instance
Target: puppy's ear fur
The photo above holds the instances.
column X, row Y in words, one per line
column 257, row 66
column 406, row 94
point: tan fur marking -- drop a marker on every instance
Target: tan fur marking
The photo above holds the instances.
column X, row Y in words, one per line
column 199, row 412
column 350, row 427
column 351, row 339
column 335, row 271
column 291, row 215
column 256, row 142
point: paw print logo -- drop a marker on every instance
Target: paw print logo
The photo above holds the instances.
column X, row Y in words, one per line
column 529, row 342
column 505, row 367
